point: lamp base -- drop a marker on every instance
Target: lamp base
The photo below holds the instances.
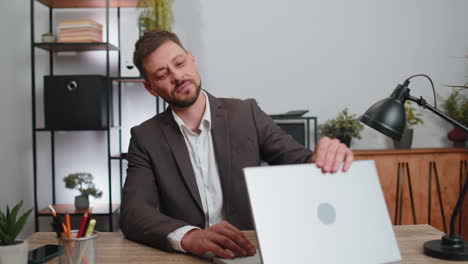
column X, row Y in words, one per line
column 449, row 248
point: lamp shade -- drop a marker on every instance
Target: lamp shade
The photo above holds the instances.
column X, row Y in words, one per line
column 388, row 116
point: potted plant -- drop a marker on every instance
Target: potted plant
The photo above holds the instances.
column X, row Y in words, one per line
column 456, row 106
column 413, row 118
column 48, row 37
column 12, row 250
column 344, row 127
column 82, row 182
column 156, row 14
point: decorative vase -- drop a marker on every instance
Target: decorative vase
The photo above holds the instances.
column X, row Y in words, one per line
column 405, row 141
column 16, row 253
column 458, row 136
column 82, row 202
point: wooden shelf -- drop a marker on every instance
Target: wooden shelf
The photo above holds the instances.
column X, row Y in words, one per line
column 121, row 156
column 82, row 46
column 97, row 209
column 87, row 3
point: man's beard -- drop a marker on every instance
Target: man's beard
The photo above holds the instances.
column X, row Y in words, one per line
column 186, row 103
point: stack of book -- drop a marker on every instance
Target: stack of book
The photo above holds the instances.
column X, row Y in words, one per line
column 85, row 30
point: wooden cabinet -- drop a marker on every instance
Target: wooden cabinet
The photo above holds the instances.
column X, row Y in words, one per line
column 421, row 186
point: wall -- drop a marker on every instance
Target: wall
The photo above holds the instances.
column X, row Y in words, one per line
column 15, row 108
column 327, row 55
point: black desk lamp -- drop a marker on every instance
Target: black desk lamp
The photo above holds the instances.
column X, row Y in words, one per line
column 388, row 117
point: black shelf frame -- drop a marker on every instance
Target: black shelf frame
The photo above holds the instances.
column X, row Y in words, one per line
column 80, row 47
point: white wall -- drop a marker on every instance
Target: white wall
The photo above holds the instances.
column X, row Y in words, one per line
column 15, row 108
column 325, row 55
column 321, row 55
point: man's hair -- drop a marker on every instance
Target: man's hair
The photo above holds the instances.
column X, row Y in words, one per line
column 149, row 42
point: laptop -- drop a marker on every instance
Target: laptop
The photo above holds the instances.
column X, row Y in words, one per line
column 302, row 215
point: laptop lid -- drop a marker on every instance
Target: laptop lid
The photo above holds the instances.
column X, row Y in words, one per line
column 305, row 216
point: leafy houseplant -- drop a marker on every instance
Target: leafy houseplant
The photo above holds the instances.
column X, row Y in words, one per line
column 11, row 250
column 344, row 127
column 82, row 182
column 156, row 14
column 413, row 118
column 456, row 106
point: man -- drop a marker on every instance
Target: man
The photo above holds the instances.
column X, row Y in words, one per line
column 185, row 189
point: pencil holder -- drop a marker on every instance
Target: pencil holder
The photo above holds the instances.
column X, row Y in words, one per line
column 82, row 250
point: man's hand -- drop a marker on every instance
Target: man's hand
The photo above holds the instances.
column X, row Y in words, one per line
column 222, row 239
column 330, row 154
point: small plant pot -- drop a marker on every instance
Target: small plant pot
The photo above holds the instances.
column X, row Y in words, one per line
column 345, row 140
column 82, row 202
column 16, row 253
column 48, row 38
column 406, row 140
column 458, row 136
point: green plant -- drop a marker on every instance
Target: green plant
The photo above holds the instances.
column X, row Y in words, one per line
column 343, row 126
column 82, row 182
column 456, row 106
column 156, row 14
column 413, row 118
column 9, row 226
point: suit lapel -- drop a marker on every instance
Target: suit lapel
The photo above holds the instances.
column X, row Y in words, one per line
column 176, row 142
column 220, row 135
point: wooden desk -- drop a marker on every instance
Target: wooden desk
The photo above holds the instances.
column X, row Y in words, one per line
column 114, row 248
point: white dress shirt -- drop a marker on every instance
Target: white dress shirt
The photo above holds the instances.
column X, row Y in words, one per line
column 205, row 167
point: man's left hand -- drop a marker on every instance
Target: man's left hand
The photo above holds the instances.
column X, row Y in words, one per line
column 330, row 154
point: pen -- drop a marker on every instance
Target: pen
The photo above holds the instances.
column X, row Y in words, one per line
column 83, row 223
column 90, row 229
column 68, row 224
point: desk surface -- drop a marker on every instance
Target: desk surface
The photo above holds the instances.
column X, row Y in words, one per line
column 114, row 248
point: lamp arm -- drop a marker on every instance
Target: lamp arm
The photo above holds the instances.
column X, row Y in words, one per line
column 422, row 102
column 457, row 209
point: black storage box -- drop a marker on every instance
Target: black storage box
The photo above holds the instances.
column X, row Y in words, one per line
column 76, row 102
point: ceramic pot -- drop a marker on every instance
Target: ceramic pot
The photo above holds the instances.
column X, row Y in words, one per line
column 16, row 253
column 458, row 136
column 82, row 202
column 405, row 141
column 48, row 38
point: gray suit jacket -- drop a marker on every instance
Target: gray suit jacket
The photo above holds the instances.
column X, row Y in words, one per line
column 160, row 192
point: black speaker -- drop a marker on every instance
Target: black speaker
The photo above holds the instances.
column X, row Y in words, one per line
column 76, row 102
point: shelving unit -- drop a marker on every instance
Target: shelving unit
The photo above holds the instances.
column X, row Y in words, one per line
column 102, row 209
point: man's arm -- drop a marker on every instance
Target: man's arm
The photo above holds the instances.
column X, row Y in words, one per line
column 140, row 218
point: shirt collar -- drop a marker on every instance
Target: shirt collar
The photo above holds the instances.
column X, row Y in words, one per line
column 206, row 119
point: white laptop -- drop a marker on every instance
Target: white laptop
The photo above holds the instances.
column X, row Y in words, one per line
column 302, row 215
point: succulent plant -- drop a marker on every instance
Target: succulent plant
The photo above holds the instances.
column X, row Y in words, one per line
column 10, row 227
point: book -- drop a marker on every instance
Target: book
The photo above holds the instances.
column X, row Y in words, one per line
column 79, row 22
column 80, row 30
column 80, row 26
column 79, row 39
column 80, row 34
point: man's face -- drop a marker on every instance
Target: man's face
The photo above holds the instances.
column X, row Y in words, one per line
column 172, row 73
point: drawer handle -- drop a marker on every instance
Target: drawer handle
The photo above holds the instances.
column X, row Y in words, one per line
column 72, row 86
